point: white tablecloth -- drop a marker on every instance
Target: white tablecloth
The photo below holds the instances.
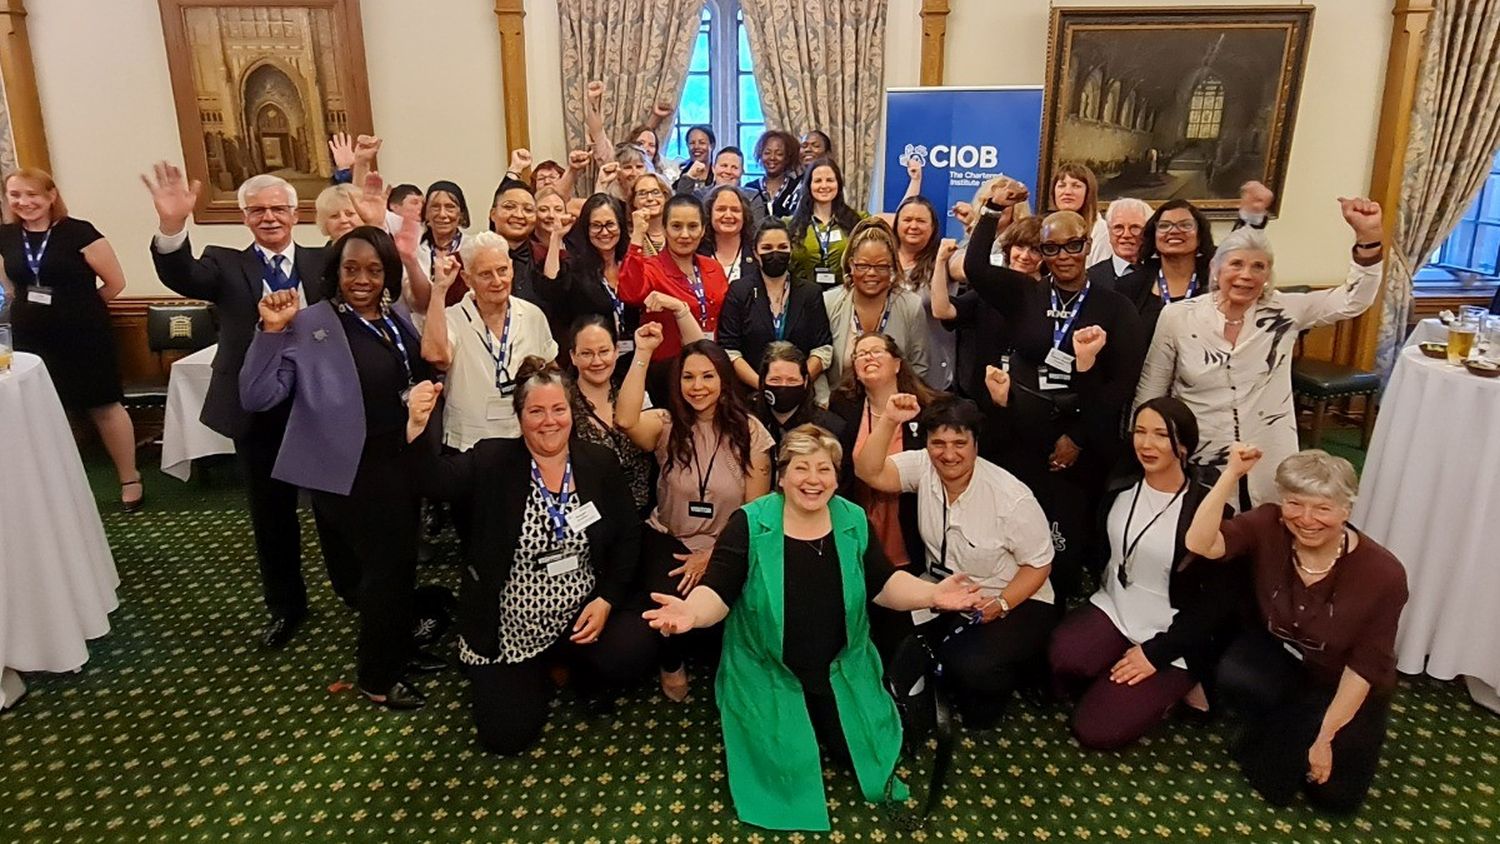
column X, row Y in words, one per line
column 183, row 438
column 1430, row 330
column 1431, row 494
column 57, row 576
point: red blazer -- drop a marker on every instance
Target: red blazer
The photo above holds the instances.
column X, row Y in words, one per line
column 640, row 275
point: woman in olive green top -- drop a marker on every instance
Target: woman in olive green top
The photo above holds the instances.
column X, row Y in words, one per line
column 798, row 668
column 821, row 225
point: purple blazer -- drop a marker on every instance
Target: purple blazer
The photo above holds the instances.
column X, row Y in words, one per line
column 311, row 362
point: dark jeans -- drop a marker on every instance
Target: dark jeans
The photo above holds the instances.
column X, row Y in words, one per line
column 369, row 540
column 984, row 664
column 511, row 699
column 273, row 514
column 1109, row 715
column 657, row 550
column 1283, row 710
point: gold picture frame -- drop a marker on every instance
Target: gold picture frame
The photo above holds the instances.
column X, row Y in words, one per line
column 260, row 87
column 1177, row 102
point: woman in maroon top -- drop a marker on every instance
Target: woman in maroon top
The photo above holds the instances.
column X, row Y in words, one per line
column 1315, row 683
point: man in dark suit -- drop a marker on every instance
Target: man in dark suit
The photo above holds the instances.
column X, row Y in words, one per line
column 1126, row 219
column 235, row 281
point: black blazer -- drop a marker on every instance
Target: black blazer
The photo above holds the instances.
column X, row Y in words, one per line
column 491, row 480
column 912, row 437
column 746, row 326
column 232, row 280
column 1102, row 275
column 1210, row 596
column 575, row 293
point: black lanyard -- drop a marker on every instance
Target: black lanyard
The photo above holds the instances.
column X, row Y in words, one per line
column 390, row 338
column 705, row 477
column 1129, row 545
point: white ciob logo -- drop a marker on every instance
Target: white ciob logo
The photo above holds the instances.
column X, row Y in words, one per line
column 943, row 155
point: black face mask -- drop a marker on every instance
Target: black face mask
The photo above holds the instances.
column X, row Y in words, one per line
column 786, row 398
column 775, row 264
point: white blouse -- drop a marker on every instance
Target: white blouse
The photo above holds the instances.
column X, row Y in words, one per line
column 1244, row 392
column 1142, row 608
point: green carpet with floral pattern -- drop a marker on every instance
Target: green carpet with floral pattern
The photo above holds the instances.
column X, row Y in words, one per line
column 181, row 728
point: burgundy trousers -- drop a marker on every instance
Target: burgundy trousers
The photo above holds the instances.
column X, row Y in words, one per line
column 1109, row 715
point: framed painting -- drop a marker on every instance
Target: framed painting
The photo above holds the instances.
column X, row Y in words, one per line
column 260, row 87
column 1169, row 103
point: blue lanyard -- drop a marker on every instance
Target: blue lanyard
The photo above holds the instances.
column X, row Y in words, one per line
column 885, row 317
column 34, row 259
column 696, row 283
column 615, row 304
column 501, row 355
column 1166, row 296
column 556, row 504
column 269, row 275
column 392, row 341
column 1061, row 327
column 778, row 320
column 824, row 236
column 432, row 248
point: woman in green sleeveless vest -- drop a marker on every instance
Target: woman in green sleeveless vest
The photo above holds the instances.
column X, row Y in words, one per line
column 798, row 668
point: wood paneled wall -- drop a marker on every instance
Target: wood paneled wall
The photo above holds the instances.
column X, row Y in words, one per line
column 138, row 364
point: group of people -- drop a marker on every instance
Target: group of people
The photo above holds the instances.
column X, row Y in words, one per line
column 680, row 420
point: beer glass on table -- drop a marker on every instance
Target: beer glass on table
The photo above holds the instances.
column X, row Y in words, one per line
column 5, row 348
column 1461, row 333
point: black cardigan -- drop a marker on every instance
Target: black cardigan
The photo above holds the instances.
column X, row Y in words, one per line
column 1209, row 595
column 576, row 292
column 746, row 326
column 491, row 479
column 912, row 437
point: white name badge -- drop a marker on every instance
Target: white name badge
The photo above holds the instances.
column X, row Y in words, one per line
column 997, row 259
column 39, row 295
column 624, row 347
column 582, row 517
column 562, row 566
column 709, row 335
column 1060, row 360
column 824, row 278
column 1050, row 379
column 494, row 409
column 922, row 616
column 835, row 235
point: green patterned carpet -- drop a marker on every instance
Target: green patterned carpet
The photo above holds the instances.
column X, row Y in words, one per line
column 181, row 729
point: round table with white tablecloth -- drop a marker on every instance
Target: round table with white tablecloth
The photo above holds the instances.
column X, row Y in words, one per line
column 1430, row 493
column 57, row 576
column 183, row 438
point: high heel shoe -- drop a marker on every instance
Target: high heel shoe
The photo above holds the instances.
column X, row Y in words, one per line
column 401, row 695
column 137, row 504
column 674, row 684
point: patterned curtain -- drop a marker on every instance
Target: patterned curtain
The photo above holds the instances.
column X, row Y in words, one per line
column 820, row 64
column 640, row 49
column 1455, row 130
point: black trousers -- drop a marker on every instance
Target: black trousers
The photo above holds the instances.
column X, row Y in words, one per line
column 369, row 540
column 985, row 663
column 1283, row 711
column 273, row 514
column 657, row 550
column 511, row 700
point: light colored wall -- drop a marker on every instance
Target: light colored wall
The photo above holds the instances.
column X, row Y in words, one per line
column 107, row 102
column 435, row 93
column 1333, row 145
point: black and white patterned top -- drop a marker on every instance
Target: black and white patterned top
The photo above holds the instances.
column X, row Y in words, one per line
column 635, row 463
column 536, row 607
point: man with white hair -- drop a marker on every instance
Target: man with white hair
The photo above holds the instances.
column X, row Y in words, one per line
column 235, row 281
column 1126, row 219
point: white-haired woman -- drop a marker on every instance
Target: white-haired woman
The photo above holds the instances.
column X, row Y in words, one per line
column 1228, row 354
column 336, row 211
column 1314, row 685
column 481, row 341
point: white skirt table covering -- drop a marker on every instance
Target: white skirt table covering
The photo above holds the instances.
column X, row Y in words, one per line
column 57, row 576
column 1431, row 494
column 183, row 438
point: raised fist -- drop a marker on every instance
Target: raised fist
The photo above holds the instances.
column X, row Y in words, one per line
column 901, row 408
column 277, row 310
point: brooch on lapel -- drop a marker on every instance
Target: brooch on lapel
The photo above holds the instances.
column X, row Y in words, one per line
column 320, row 335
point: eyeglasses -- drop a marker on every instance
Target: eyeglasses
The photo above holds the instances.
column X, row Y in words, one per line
column 589, row 355
column 871, row 353
column 259, row 211
column 604, row 228
column 870, row 269
column 1120, row 228
column 513, row 207
column 648, row 194
column 1072, row 247
column 1184, row 226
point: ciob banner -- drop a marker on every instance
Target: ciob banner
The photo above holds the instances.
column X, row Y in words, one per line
column 963, row 137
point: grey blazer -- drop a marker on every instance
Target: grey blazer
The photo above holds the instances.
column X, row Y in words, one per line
column 907, row 326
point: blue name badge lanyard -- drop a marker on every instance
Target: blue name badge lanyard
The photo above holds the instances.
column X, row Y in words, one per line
column 885, row 317
column 556, row 505
column 499, row 353
column 778, row 319
column 1166, row 295
column 1062, row 320
column 392, row 341
column 268, row 274
column 34, row 259
column 615, row 304
column 696, row 283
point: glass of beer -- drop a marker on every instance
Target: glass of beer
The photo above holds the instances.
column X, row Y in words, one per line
column 1461, row 333
column 5, row 347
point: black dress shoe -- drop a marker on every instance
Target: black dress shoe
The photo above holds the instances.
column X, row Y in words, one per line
column 425, row 662
column 280, row 630
column 401, row 695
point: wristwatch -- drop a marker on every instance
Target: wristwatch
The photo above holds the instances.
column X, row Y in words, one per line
column 1004, row 607
column 990, row 209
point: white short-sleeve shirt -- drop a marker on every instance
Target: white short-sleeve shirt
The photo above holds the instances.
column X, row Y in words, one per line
column 476, row 410
column 994, row 527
